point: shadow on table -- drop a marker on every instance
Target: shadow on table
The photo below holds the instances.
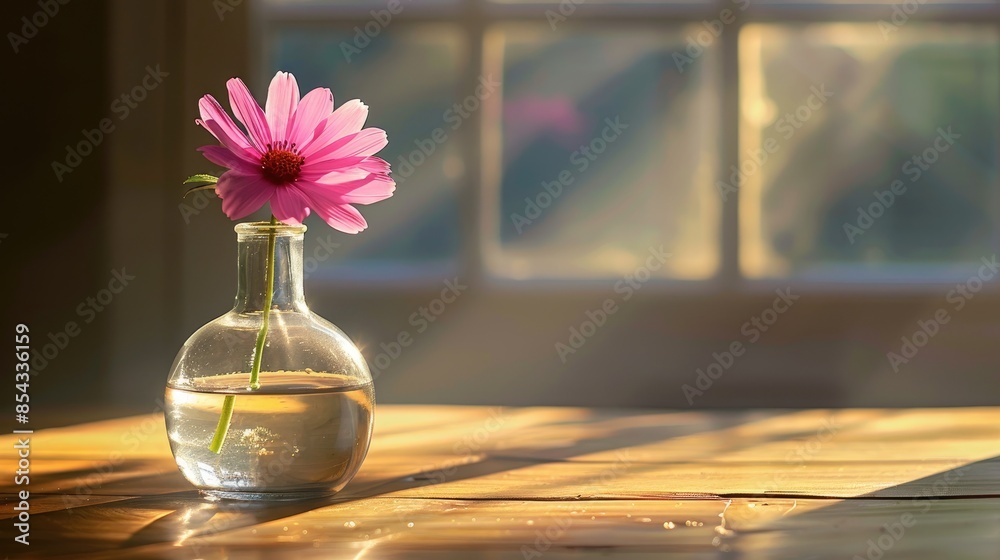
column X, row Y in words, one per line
column 951, row 514
column 78, row 481
column 183, row 518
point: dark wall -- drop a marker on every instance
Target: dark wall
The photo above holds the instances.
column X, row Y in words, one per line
column 53, row 249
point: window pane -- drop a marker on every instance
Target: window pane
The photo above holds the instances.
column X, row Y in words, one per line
column 608, row 150
column 408, row 79
column 867, row 176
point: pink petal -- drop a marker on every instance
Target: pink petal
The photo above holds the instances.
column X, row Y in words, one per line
column 313, row 110
column 249, row 155
column 243, row 195
column 365, row 143
column 215, row 120
column 249, row 113
column 374, row 164
column 282, row 99
column 221, row 155
column 331, row 201
column 289, row 205
column 331, row 190
column 374, row 189
column 343, row 217
column 347, row 119
column 363, row 164
column 313, row 170
column 336, row 175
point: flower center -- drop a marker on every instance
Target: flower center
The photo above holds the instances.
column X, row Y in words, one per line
column 281, row 163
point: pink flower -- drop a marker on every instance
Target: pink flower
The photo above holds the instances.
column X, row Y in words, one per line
column 299, row 155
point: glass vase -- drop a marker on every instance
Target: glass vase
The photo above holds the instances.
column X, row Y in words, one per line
column 298, row 429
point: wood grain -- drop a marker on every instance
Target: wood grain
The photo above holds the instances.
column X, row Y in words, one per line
column 470, row 482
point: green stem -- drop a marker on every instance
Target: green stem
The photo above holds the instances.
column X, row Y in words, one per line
column 224, row 419
column 229, row 403
column 266, row 314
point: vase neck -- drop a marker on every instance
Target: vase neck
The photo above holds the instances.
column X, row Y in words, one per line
column 254, row 240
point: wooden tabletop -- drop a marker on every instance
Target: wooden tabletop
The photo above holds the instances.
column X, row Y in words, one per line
column 554, row 483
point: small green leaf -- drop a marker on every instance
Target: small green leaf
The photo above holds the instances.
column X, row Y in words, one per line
column 199, row 188
column 211, row 181
column 201, row 178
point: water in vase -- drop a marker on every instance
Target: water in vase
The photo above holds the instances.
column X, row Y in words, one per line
column 301, row 432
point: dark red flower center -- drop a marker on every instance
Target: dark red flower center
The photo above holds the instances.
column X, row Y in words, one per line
column 281, row 163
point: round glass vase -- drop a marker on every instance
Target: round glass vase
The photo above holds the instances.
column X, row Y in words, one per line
column 304, row 429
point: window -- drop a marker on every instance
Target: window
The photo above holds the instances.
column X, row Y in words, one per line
column 561, row 193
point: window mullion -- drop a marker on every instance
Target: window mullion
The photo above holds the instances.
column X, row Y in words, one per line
column 470, row 195
column 729, row 148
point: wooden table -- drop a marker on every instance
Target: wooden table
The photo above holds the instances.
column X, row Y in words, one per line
column 472, row 482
